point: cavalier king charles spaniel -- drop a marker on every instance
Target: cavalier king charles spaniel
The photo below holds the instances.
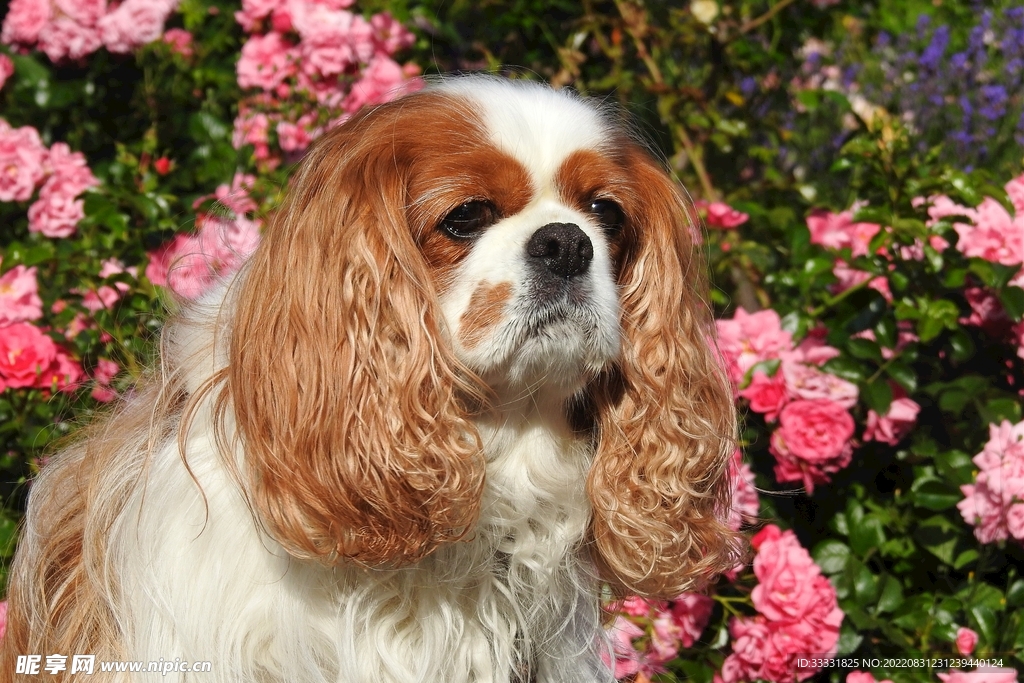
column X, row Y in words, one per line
column 467, row 381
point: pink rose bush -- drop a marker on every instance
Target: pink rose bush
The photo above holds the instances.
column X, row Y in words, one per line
column 191, row 263
column 312, row 63
column 797, row 613
column 786, row 383
column 72, row 29
column 991, row 233
column 63, row 175
column 994, row 503
column 981, row 675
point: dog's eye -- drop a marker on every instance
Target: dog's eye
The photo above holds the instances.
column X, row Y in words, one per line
column 608, row 214
column 467, row 219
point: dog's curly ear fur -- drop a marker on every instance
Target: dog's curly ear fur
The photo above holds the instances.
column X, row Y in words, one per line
column 666, row 420
column 346, row 402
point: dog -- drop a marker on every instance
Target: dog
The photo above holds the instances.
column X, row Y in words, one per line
column 465, row 387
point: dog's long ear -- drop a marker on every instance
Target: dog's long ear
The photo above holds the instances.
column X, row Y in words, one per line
column 348, row 404
column 666, row 420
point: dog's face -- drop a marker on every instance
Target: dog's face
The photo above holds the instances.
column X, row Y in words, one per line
column 528, row 233
column 479, row 239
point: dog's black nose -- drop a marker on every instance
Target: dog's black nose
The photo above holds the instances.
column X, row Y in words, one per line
column 563, row 248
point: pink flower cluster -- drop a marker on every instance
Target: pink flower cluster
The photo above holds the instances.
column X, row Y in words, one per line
column 190, row 263
column 994, row 503
column 647, row 634
column 314, row 62
column 25, row 163
column 72, row 29
column 28, row 356
column 996, row 236
column 797, row 614
column 720, row 215
column 838, row 231
column 785, row 383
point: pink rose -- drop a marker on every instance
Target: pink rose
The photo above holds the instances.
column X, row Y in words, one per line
column 25, row 353
column 253, row 129
column 897, row 422
column 265, row 62
column 190, row 264
column 19, row 296
column 293, row 137
column 994, row 504
column 788, row 579
column 863, row 677
column 63, row 374
column 24, row 20
column 180, row 41
column 691, row 613
column 236, row 196
column 3, row 619
column 994, row 236
column 254, row 10
column 721, row 215
column 633, row 606
column 55, row 215
column 767, row 395
column 982, row 675
column 389, row 34
column 85, row 12
column 812, row 441
column 815, row 430
column 332, row 40
column 750, row 338
column 6, row 71
column 108, row 295
column 134, row 23
column 838, row 231
column 22, row 159
column 382, row 80
column 966, row 640
column 64, row 38
column 809, row 383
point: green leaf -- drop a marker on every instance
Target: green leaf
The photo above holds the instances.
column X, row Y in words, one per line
column 999, row 409
column 903, row 374
column 865, row 349
column 877, row 396
column 849, row 640
column 934, row 494
column 868, row 535
column 892, row 595
column 865, row 584
column 1012, row 299
column 956, row 467
column 8, row 536
column 984, row 621
column 1015, row 594
column 962, row 345
column 915, row 612
column 965, row 558
column 847, row 368
column 831, row 556
column 939, row 537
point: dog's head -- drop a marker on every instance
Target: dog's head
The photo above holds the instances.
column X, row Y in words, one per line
column 473, row 242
